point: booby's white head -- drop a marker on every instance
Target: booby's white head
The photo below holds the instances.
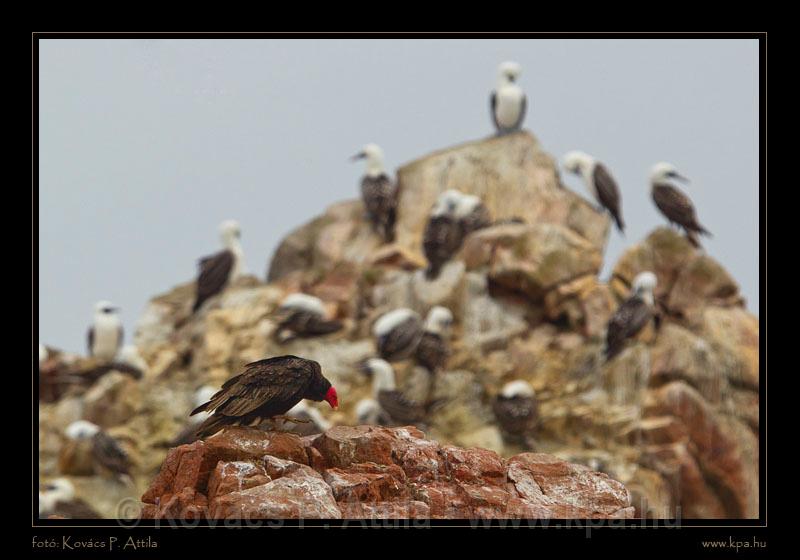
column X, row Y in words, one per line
column 508, row 72
column 388, row 321
column 230, row 233
column 43, row 353
column 383, row 375
column 663, row 172
column 374, row 156
column 55, row 491
column 577, row 162
column 447, row 203
column 105, row 309
column 644, row 284
column 81, row 430
column 303, row 302
column 467, row 204
column 438, row 320
column 517, row 388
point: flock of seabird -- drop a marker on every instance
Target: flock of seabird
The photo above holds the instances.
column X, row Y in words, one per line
column 274, row 389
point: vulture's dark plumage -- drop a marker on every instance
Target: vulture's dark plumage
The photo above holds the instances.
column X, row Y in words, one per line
column 266, row 389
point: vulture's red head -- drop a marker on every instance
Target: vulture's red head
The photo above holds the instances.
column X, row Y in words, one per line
column 332, row 398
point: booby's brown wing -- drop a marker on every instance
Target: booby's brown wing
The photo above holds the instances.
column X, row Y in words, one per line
column 677, row 207
column 401, row 341
column 516, row 415
column 109, row 453
column 441, row 239
column 307, row 323
column 479, row 218
column 432, row 351
column 608, row 193
column 90, row 340
column 380, row 199
column 630, row 318
column 493, row 109
column 401, row 409
column 213, row 276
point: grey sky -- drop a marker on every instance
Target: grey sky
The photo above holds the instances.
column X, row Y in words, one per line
column 146, row 145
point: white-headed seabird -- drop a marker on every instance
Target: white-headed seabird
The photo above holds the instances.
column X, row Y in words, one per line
column 443, row 234
column 633, row 315
column 378, row 192
column 368, row 411
column 673, row 203
column 433, row 348
column 303, row 315
column 106, row 452
column 599, row 181
column 393, row 403
column 218, row 270
column 397, row 333
column 516, row 409
column 57, row 498
column 105, row 335
column 508, row 102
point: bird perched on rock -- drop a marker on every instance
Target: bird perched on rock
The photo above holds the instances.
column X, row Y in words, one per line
column 127, row 361
column 472, row 214
column 303, row 315
column 508, row 102
column 599, row 181
column 378, row 192
column 368, row 411
column 517, row 410
column 218, row 270
column 89, row 445
column 443, row 234
column 267, row 389
column 189, row 433
column 673, row 203
column 397, row 334
column 57, row 498
column 393, row 403
column 633, row 315
column 433, row 347
column 105, row 335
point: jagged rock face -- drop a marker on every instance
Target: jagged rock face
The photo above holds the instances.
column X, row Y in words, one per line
column 675, row 417
column 373, row 472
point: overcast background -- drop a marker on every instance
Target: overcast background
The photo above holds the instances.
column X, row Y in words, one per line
column 146, row 145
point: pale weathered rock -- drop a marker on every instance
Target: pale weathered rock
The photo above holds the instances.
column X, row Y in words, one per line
column 112, row 400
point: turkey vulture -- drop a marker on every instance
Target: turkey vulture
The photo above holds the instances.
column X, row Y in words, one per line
column 267, row 388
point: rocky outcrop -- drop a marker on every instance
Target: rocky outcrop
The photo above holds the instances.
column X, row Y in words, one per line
column 371, row 472
column 675, row 417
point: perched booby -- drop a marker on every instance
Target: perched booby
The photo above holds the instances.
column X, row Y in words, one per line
column 508, row 102
column 633, row 315
column 189, row 433
column 303, row 315
column 433, row 347
column 106, row 452
column 105, row 335
column 443, row 235
column 673, row 203
column 599, row 181
column 310, row 420
column 218, row 270
column 57, row 498
column 266, row 390
column 43, row 354
column 397, row 334
column 393, row 403
column 516, row 409
column 378, row 192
